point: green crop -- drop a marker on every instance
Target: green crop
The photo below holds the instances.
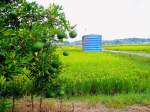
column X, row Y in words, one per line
column 104, row 73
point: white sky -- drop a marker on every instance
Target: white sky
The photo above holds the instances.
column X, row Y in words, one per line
column 110, row 18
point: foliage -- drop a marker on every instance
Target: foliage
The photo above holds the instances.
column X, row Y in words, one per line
column 2, row 85
column 16, row 87
column 27, row 46
column 4, row 105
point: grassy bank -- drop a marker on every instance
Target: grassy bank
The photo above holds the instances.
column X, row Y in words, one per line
column 116, row 101
column 141, row 48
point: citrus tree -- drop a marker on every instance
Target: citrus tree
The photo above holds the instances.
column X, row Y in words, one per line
column 29, row 34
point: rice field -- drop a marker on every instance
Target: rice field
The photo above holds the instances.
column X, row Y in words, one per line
column 104, row 73
column 141, row 48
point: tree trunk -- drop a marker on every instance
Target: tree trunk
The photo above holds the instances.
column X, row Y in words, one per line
column 13, row 106
column 61, row 105
column 72, row 107
column 41, row 104
column 32, row 108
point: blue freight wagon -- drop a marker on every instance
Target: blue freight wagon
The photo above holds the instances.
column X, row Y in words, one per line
column 92, row 43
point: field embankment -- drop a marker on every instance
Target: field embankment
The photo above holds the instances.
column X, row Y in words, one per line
column 50, row 105
column 143, row 54
column 137, row 48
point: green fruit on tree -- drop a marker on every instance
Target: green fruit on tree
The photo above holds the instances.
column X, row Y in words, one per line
column 52, row 70
column 61, row 35
column 72, row 34
column 55, row 64
column 62, row 93
column 37, row 46
column 65, row 53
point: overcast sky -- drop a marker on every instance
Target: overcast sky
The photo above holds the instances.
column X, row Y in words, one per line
column 110, row 18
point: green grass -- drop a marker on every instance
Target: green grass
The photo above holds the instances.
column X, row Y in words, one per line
column 116, row 101
column 104, row 73
column 141, row 48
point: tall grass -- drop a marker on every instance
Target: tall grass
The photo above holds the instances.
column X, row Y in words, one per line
column 104, row 73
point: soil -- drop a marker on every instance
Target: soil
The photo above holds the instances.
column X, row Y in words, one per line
column 25, row 106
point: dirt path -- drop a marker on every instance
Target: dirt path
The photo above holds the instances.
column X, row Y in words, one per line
column 147, row 55
column 25, row 106
column 80, row 107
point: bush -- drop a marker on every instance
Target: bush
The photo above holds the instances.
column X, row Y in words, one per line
column 4, row 105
